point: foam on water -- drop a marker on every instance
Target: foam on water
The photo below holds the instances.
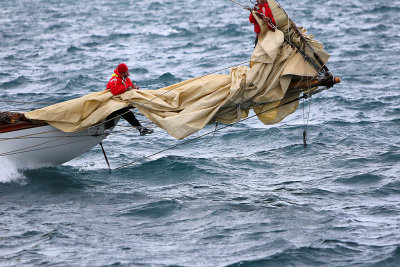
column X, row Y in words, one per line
column 9, row 172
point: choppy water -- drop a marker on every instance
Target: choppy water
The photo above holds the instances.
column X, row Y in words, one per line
column 249, row 196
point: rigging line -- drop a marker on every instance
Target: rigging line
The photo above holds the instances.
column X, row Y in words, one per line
column 27, row 102
column 215, row 130
column 21, row 110
column 24, row 136
column 21, row 150
column 55, row 136
column 304, row 123
column 239, row 4
column 252, row 2
column 32, row 136
column 37, row 149
column 69, row 136
column 304, row 96
column 60, row 137
column 309, row 111
column 36, row 145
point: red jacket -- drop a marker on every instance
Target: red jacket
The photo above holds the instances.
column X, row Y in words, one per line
column 264, row 9
column 117, row 84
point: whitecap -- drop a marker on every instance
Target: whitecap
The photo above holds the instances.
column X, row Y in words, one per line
column 9, row 172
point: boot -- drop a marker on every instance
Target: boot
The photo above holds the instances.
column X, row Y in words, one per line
column 143, row 130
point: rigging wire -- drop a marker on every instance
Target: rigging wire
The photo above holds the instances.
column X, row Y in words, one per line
column 28, row 102
column 68, row 136
column 239, row 4
column 37, row 149
column 304, row 96
column 252, row 2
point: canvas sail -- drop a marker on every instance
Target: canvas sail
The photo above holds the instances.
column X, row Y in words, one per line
column 184, row 108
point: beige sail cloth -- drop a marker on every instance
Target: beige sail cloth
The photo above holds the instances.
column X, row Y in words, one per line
column 184, row 108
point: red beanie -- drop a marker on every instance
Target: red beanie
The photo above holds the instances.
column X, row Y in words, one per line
column 122, row 68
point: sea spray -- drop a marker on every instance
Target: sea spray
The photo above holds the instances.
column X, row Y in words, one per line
column 9, row 172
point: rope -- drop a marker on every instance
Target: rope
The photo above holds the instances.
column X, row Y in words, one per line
column 239, row 4
column 24, row 151
column 27, row 102
column 27, row 136
column 304, row 96
column 65, row 136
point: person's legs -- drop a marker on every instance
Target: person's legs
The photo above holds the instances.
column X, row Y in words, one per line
column 110, row 119
column 129, row 117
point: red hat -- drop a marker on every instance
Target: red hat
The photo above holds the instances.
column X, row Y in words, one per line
column 122, row 68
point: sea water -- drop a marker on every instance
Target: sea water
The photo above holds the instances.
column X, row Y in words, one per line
column 250, row 195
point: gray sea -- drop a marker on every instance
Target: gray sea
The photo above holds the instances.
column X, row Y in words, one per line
column 250, row 195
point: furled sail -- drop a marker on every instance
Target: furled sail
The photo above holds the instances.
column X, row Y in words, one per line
column 291, row 31
column 276, row 70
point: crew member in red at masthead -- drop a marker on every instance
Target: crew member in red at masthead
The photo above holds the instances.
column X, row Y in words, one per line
column 264, row 12
column 119, row 84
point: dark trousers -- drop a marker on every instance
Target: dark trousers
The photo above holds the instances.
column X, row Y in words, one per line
column 126, row 114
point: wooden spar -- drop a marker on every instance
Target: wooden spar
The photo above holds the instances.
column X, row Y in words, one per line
column 294, row 26
column 16, row 121
column 314, row 83
column 105, row 155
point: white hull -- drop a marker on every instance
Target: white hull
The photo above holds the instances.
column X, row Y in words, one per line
column 47, row 146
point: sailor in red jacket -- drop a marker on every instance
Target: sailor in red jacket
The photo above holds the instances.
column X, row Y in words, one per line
column 264, row 12
column 119, row 84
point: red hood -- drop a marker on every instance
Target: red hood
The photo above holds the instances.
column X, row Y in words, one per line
column 116, row 72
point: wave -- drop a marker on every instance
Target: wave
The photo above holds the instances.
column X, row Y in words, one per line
column 390, row 259
column 164, row 80
column 164, row 31
column 392, row 188
column 328, row 253
column 57, row 27
column 231, row 30
column 81, row 82
column 178, row 168
column 365, row 178
column 385, row 9
column 155, row 209
column 73, row 49
column 10, row 173
column 16, row 83
column 139, row 71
